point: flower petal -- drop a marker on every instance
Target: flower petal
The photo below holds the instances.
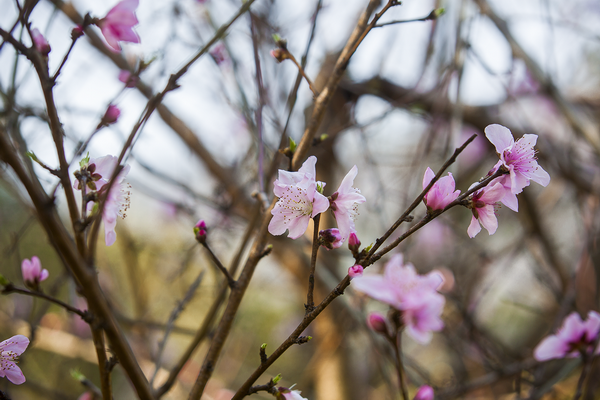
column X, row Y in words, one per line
column 500, row 136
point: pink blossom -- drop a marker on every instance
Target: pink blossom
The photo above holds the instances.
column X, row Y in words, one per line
column 128, row 78
column 355, row 271
column 482, row 206
column 424, row 393
column 517, row 157
column 40, row 42
column 118, row 200
column 111, row 115
column 287, row 394
column 415, row 295
column 10, row 350
column 32, row 271
column 117, row 25
column 441, row 193
column 573, row 337
column 344, row 203
column 331, row 238
column 299, row 200
column 377, row 322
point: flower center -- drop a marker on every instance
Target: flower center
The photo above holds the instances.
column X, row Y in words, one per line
column 295, row 201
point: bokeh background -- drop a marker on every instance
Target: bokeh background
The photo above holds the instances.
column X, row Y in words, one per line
column 412, row 93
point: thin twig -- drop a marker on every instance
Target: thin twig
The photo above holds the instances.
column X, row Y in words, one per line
column 310, row 302
column 10, row 288
column 431, row 16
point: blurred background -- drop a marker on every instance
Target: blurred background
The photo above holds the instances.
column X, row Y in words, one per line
column 412, row 93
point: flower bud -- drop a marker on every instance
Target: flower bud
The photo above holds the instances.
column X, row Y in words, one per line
column 355, row 270
column 77, row 32
column 33, row 273
column 378, row 323
column 39, row 41
column 111, row 116
column 331, row 238
column 353, row 243
column 280, row 54
column 424, row 393
column 200, row 231
column 128, row 78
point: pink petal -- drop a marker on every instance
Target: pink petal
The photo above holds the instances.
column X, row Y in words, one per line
column 348, row 180
column 540, row 176
column 493, row 194
column 474, row 227
column 549, row 348
column 510, row 201
column 298, row 226
column 17, row 344
column 44, row 275
column 488, row 220
column 376, row 287
column 429, row 175
column 500, row 136
column 309, row 167
column 14, row 373
column 320, row 204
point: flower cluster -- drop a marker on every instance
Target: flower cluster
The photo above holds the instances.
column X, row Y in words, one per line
column 94, row 174
column 301, row 198
column 414, row 295
column 10, row 350
column 573, row 338
column 517, row 159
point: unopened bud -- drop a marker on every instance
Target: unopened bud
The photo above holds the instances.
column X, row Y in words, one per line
column 355, row 271
column 331, row 238
column 280, row 54
column 353, row 243
column 378, row 323
column 200, row 231
column 39, row 42
column 425, row 392
column 77, row 32
column 111, row 116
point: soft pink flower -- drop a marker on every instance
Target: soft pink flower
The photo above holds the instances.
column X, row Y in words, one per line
column 117, row 25
column 32, row 271
column 424, row 393
column 331, row 238
column 299, row 200
column 344, row 203
column 518, row 157
column 128, row 78
column 441, row 193
column 483, row 207
column 118, row 200
column 40, row 42
column 111, row 115
column 10, row 349
column 377, row 322
column 355, row 271
column 415, row 295
column 288, row 394
column 573, row 336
